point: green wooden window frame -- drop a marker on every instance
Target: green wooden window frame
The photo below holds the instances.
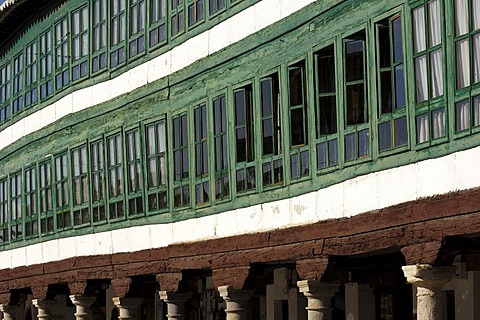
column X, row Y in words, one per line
column 62, row 191
column 138, row 21
column 17, row 83
column 16, row 208
column 115, row 180
column 134, row 172
column 215, row 6
column 156, row 157
column 31, row 207
column 298, row 112
column 392, row 119
column 220, row 138
column 326, row 111
column 202, row 181
column 158, row 22
column 181, row 163
column 99, row 35
column 80, row 185
column 31, row 85
column 62, row 56
column 118, row 32
column 177, row 17
column 271, row 128
column 46, row 197
column 4, row 212
column 5, row 87
column 196, row 12
column 245, row 168
column 98, row 181
column 80, row 43
column 46, row 64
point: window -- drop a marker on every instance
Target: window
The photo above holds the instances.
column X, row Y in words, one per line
column 299, row 153
column 177, row 17
column 137, row 27
column 216, row 5
column 272, row 164
column 115, row 176
column 428, row 62
column 97, row 181
column 79, row 43
column 46, row 56
column 181, row 189
column 46, row 203
column 357, row 135
column 244, row 139
column 4, row 213
column 158, row 12
column 326, row 108
column 62, row 208
column 31, row 212
column 62, row 75
column 202, row 186
column 392, row 127
column 467, row 113
column 16, row 222
column 17, row 94
column 222, row 181
column 196, row 11
column 5, row 111
column 81, row 214
column 117, row 32
column 31, row 90
column 99, row 35
column 134, row 170
column 156, row 166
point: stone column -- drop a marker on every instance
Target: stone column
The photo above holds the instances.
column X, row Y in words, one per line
column 236, row 302
column 82, row 304
column 429, row 281
column 9, row 312
column 319, row 295
column 175, row 304
column 127, row 307
column 44, row 308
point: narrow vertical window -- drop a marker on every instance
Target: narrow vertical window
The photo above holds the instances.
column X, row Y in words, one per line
column 134, row 171
column 4, row 212
column 62, row 204
column 244, row 136
column 5, row 76
column 392, row 127
column 17, row 92
column 177, row 17
column 357, row 134
column 215, row 6
column 97, row 183
column 46, row 65
column 79, row 158
column 326, row 108
column 299, row 154
column 181, row 174
column 158, row 13
column 62, row 74
column 156, row 146
column 272, row 165
column 115, row 176
column 138, row 11
column 31, row 210
column 196, row 11
column 118, row 24
column 80, row 49
column 222, row 181
column 31, row 90
column 429, row 78
column 99, row 35
column 16, row 222
column 46, row 202
column 202, row 186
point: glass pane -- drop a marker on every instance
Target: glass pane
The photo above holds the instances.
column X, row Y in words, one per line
column 436, row 73
column 421, row 82
column 461, row 17
column 476, row 57
column 296, row 86
column 295, row 166
column 419, row 29
column 476, row 111
column 354, row 60
column 476, row 14
column 434, row 22
column 462, row 116
column 386, row 91
column 438, row 123
column 266, row 174
column 463, row 63
column 332, row 152
column 397, row 39
column 328, row 115
column 384, row 136
column 355, row 104
column 399, row 87
column 326, row 70
column 423, row 128
column 401, row 133
column 321, row 155
column 297, row 127
column 363, row 143
column 350, row 147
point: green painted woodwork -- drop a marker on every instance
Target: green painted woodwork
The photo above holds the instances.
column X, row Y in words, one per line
column 271, row 51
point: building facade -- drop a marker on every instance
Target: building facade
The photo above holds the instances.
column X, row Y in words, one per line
column 239, row 159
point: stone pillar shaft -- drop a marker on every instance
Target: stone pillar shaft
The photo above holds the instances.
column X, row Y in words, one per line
column 175, row 304
column 236, row 301
column 319, row 296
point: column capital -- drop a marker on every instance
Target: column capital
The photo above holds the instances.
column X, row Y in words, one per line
column 175, row 303
column 236, row 300
column 170, row 296
column 9, row 311
column 425, row 275
column 317, row 288
column 44, row 304
column 82, row 304
column 127, row 307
